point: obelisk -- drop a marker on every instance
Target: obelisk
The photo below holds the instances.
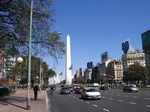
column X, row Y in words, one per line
column 68, row 62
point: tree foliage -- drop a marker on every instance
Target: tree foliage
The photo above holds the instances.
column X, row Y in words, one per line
column 38, row 66
column 134, row 73
column 14, row 28
column 79, row 80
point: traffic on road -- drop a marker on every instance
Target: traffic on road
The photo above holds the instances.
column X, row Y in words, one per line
column 112, row 100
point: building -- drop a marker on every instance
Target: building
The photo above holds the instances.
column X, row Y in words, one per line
column 133, row 57
column 2, row 64
column 87, row 74
column 114, row 71
column 146, row 46
column 95, row 75
column 102, row 67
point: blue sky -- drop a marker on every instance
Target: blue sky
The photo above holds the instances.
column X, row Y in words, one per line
column 96, row 26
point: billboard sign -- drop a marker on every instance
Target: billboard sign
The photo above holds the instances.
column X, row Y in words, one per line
column 146, row 40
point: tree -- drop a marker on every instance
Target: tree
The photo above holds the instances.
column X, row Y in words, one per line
column 22, row 69
column 14, row 28
column 79, row 79
column 135, row 73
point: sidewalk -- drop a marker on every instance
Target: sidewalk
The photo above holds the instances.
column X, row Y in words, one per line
column 17, row 102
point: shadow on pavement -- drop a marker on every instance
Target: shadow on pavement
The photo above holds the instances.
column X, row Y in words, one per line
column 13, row 100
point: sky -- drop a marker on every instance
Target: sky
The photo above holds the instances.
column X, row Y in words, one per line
column 96, row 26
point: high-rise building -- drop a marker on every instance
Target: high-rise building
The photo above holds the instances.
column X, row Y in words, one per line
column 146, row 46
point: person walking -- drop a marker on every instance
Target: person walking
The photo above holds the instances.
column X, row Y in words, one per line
column 35, row 89
column 52, row 89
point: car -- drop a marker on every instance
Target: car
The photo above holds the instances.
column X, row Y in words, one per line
column 90, row 93
column 71, row 89
column 65, row 90
column 78, row 90
column 130, row 88
column 103, row 87
column 76, row 86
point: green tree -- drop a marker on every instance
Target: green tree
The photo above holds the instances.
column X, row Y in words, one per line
column 79, row 79
column 135, row 73
column 14, row 28
column 22, row 69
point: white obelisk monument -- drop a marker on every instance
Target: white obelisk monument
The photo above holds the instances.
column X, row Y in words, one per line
column 68, row 62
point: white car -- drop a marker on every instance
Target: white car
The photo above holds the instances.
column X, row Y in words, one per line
column 90, row 93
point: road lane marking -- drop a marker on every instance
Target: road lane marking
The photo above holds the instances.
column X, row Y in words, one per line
column 82, row 100
column 110, row 98
column 106, row 110
column 147, row 106
column 147, row 98
column 118, row 95
column 103, row 97
column 125, row 95
column 135, row 97
column 120, row 100
column 132, row 103
column 87, row 102
column 95, row 105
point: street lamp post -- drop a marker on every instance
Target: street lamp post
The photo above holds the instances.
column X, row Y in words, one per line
column 40, row 75
column 29, row 61
column 20, row 59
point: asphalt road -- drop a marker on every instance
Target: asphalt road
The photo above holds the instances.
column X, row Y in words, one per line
column 112, row 101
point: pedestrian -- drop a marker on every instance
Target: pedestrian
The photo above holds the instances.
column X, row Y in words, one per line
column 52, row 89
column 35, row 89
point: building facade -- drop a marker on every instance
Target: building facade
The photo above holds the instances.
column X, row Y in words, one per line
column 2, row 64
column 146, row 46
column 114, row 70
column 133, row 57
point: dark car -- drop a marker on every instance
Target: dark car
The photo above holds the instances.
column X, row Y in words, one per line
column 103, row 87
column 65, row 90
column 78, row 90
column 130, row 88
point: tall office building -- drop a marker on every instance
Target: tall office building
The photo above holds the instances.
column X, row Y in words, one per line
column 146, row 46
column 68, row 62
